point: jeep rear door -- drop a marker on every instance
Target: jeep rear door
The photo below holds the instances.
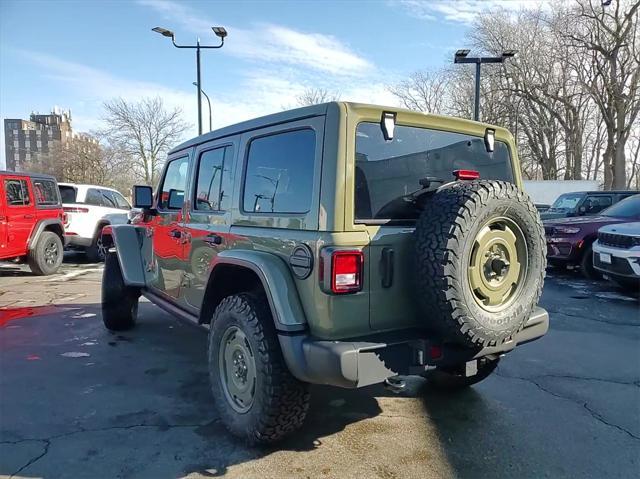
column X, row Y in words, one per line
column 20, row 214
column 386, row 175
column 208, row 220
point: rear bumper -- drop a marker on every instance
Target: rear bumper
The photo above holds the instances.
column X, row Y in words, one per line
column 352, row 364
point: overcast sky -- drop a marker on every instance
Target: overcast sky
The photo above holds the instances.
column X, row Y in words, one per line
column 77, row 54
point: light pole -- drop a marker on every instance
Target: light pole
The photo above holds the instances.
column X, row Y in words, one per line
column 461, row 57
column 220, row 33
column 208, row 101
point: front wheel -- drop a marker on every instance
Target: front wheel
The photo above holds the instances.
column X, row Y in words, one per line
column 586, row 264
column 453, row 379
column 119, row 302
column 257, row 397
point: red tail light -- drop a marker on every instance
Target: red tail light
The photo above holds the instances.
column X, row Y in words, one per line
column 75, row 209
column 346, row 271
column 466, row 174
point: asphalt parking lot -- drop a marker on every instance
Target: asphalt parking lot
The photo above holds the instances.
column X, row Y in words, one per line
column 78, row 401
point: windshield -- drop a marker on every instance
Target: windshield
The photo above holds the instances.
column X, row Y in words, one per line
column 568, row 201
column 627, row 208
column 388, row 171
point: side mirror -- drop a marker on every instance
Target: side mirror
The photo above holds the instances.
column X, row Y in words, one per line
column 142, row 197
column 176, row 199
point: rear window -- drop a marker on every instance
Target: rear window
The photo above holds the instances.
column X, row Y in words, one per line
column 387, row 171
column 45, row 192
column 67, row 193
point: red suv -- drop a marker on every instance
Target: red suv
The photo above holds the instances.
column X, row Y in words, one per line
column 31, row 221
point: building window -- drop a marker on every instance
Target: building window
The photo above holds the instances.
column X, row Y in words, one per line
column 39, row 144
column 15, row 132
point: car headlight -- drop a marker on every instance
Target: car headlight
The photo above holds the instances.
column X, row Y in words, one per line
column 566, row 230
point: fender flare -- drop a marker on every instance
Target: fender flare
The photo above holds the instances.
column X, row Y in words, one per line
column 277, row 281
column 133, row 248
column 41, row 226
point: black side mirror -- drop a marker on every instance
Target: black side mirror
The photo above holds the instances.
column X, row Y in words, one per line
column 142, row 197
column 176, row 199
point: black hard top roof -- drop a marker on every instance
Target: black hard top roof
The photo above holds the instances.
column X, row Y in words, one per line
column 26, row 173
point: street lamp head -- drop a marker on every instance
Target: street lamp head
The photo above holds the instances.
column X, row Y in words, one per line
column 163, row 31
column 462, row 53
column 509, row 53
column 219, row 31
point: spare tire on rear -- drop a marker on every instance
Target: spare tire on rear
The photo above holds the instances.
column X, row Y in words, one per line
column 481, row 258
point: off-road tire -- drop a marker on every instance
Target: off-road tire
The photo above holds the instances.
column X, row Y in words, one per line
column 453, row 380
column 96, row 253
column 119, row 302
column 446, row 231
column 586, row 264
column 41, row 259
column 280, row 401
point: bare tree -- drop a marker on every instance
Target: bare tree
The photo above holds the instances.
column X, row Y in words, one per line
column 609, row 38
column 314, row 96
column 142, row 132
column 424, row 91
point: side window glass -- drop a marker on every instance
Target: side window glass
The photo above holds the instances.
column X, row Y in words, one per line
column 279, row 173
column 17, row 192
column 173, row 186
column 108, row 199
column 598, row 203
column 213, row 166
column 45, row 192
column 93, row 197
column 121, row 202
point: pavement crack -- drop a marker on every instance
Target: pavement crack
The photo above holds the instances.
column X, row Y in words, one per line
column 47, row 444
column 584, row 404
column 47, row 440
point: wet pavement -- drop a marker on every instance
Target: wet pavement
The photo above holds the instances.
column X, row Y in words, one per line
column 77, row 401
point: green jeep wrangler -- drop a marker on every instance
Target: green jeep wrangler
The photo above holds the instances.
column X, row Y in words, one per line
column 341, row 244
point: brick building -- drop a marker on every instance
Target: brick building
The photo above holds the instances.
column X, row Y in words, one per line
column 28, row 140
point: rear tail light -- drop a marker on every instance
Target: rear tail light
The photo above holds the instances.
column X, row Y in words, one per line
column 466, row 174
column 74, row 209
column 346, row 271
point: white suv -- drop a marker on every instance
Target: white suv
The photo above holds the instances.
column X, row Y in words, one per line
column 617, row 253
column 90, row 208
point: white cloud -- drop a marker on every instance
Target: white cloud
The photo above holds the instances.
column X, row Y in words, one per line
column 464, row 11
column 270, row 43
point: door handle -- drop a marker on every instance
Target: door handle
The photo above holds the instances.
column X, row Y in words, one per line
column 177, row 234
column 212, row 239
column 28, row 217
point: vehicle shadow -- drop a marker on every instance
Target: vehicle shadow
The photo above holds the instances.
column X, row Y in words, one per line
column 145, row 390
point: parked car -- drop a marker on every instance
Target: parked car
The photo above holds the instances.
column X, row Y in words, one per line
column 542, row 207
column 90, row 208
column 570, row 240
column 583, row 203
column 31, row 221
column 616, row 253
column 341, row 249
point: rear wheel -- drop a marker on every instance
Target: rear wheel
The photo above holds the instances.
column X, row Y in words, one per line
column 119, row 302
column 257, row 397
column 46, row 256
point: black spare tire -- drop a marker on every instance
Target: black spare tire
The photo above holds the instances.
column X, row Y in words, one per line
column 481, row 259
